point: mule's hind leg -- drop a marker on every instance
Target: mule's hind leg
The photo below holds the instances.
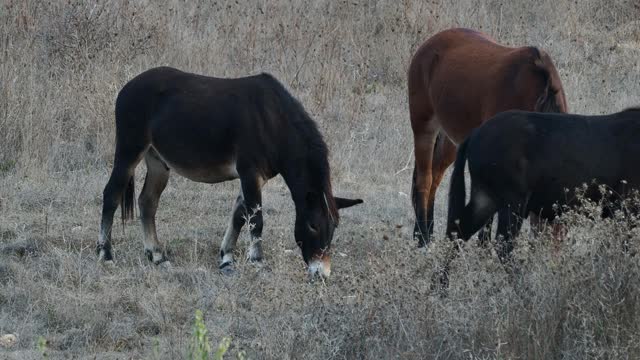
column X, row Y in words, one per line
column 236, row 222
column 119, row 187
column 425, row 131
column 154, row 183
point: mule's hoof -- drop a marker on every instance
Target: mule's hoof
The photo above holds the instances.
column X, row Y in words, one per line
column 109, row 263
column 423, row 244
column 104, row 255
column 420, row 240
column 254, row 254
column 156, row 257
column 226, row 265
column 227, row 260
column 227, row 268
column 161, row 261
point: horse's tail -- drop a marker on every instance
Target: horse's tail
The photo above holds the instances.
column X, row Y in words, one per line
column 457, row 192
column 127, row 199
column 552, row 97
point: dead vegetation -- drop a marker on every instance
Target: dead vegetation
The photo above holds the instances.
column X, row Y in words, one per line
column 61, row 65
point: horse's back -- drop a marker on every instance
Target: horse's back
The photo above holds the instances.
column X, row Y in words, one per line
column 458, row 38
column 464, row 78
column 453, row 53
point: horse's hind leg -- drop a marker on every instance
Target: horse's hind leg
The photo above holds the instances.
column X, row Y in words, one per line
column 443, row 156
column 425, row 131
column 154, row 183
column 118, row 188
column 236, row 222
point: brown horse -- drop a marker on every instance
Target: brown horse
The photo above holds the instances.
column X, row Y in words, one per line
column 458, row 79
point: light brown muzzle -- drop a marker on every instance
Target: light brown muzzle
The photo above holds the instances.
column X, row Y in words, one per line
column 321, row 266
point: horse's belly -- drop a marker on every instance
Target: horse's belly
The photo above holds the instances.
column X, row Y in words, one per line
column 458, row 128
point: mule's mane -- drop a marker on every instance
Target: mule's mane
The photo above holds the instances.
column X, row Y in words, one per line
column 634, row 108
column 317, row 151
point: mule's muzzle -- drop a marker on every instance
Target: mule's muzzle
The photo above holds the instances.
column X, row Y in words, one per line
column 320, row 266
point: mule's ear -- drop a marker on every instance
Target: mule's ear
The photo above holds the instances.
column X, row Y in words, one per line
column 342, row 203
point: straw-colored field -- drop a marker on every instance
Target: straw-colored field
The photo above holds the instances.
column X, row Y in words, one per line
column 61, row 66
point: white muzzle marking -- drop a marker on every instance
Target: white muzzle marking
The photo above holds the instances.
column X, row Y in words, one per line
column 321, row 267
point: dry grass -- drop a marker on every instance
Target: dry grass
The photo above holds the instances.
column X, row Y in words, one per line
column 61, row 65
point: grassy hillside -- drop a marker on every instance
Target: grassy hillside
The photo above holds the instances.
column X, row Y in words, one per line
column 61, row 66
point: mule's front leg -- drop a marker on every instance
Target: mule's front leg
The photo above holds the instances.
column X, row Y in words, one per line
column 236, row 222
column 251, row 190
column 509, row 225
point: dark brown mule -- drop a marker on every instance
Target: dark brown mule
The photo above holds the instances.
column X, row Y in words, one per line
column 212, row 130
column 458, row 79
column 523, row 163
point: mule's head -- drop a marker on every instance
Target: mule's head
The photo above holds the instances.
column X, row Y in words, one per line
column 314, row 229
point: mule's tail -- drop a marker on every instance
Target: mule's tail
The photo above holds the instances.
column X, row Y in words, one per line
column 127, row 205
column 457, row 192
column 552, row 98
